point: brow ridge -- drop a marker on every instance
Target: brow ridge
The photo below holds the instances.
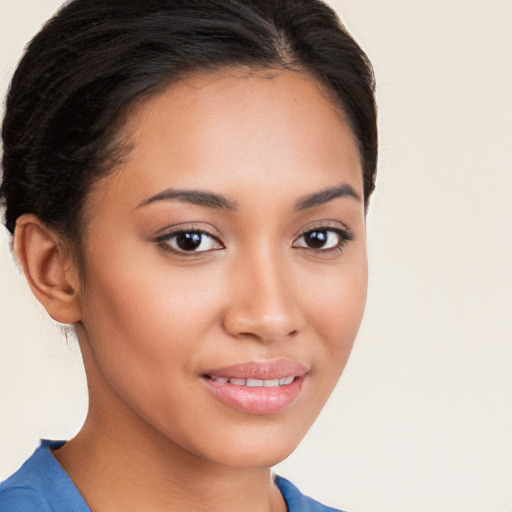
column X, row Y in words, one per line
column 326, row 195
column 197, row 197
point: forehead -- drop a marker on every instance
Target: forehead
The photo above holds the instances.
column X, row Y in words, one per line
column 226, row 130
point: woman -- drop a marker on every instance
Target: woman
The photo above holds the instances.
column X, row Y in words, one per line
column 186, row 183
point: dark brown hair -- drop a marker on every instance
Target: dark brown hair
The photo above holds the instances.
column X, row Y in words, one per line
column 95, row 58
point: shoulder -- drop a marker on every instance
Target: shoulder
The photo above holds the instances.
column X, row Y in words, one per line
column 41, row 485
column 296, row 501
column 22, row 490
column 16, row 498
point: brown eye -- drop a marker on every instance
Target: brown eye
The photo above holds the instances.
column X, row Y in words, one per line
column 316, row 239
column 190, row 241
column 323, row 239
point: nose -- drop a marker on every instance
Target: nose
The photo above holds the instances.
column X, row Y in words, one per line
column 264, row 305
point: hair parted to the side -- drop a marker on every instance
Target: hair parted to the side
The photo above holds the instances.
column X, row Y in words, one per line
column 95, row 58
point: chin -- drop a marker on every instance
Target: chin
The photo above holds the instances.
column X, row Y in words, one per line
column 255, row 448
column 255, row 457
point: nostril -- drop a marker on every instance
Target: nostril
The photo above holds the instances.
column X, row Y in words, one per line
column 263, row 333
column 265, row 317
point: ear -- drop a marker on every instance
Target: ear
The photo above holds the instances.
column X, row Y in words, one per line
column 48, row 267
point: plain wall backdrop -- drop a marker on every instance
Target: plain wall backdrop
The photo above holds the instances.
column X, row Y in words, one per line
column 422, row 418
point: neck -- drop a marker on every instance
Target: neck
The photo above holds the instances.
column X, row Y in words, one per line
column 131, row 476
column 118, row 462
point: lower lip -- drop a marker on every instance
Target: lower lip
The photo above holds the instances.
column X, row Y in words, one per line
column 256, row 400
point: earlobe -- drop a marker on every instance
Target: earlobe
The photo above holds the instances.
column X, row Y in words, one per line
column 48, row 268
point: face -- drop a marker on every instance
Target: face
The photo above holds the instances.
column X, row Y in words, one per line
column 225, row 267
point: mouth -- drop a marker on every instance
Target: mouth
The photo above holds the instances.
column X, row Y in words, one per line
column 258, row 387
column 254, row 383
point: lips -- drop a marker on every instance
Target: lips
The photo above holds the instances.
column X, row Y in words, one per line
column 255, row 383
column 258, row 387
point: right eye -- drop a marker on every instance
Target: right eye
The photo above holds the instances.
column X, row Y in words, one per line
column 189, row 241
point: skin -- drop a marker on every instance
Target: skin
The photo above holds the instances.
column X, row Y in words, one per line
column 152, row 321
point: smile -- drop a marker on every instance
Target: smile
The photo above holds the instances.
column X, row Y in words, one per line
column 256, row 383
column 258, row 387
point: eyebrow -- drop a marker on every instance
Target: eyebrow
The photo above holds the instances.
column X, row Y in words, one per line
column 326, row 195
column 218, row 202
column 197, row 197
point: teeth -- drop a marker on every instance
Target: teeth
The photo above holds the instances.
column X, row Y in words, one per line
column 256, row 383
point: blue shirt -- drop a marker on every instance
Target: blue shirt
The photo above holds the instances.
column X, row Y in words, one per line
column 42, row 485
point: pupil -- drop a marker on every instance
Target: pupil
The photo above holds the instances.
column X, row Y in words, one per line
column 316, row 239
column 188, row 241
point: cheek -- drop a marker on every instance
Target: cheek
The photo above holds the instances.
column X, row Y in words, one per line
column 337, row 308
column 143, row 319
column 148, row 327
column 151, row 306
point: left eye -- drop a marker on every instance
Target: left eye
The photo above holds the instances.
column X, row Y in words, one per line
column 190, row 241
column 322, row 239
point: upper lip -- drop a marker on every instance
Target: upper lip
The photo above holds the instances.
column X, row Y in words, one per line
column 266, row 370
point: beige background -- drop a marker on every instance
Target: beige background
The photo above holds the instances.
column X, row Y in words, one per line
column 422, row 419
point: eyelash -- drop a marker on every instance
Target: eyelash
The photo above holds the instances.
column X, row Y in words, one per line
column 165, row 241
column 344, row 236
